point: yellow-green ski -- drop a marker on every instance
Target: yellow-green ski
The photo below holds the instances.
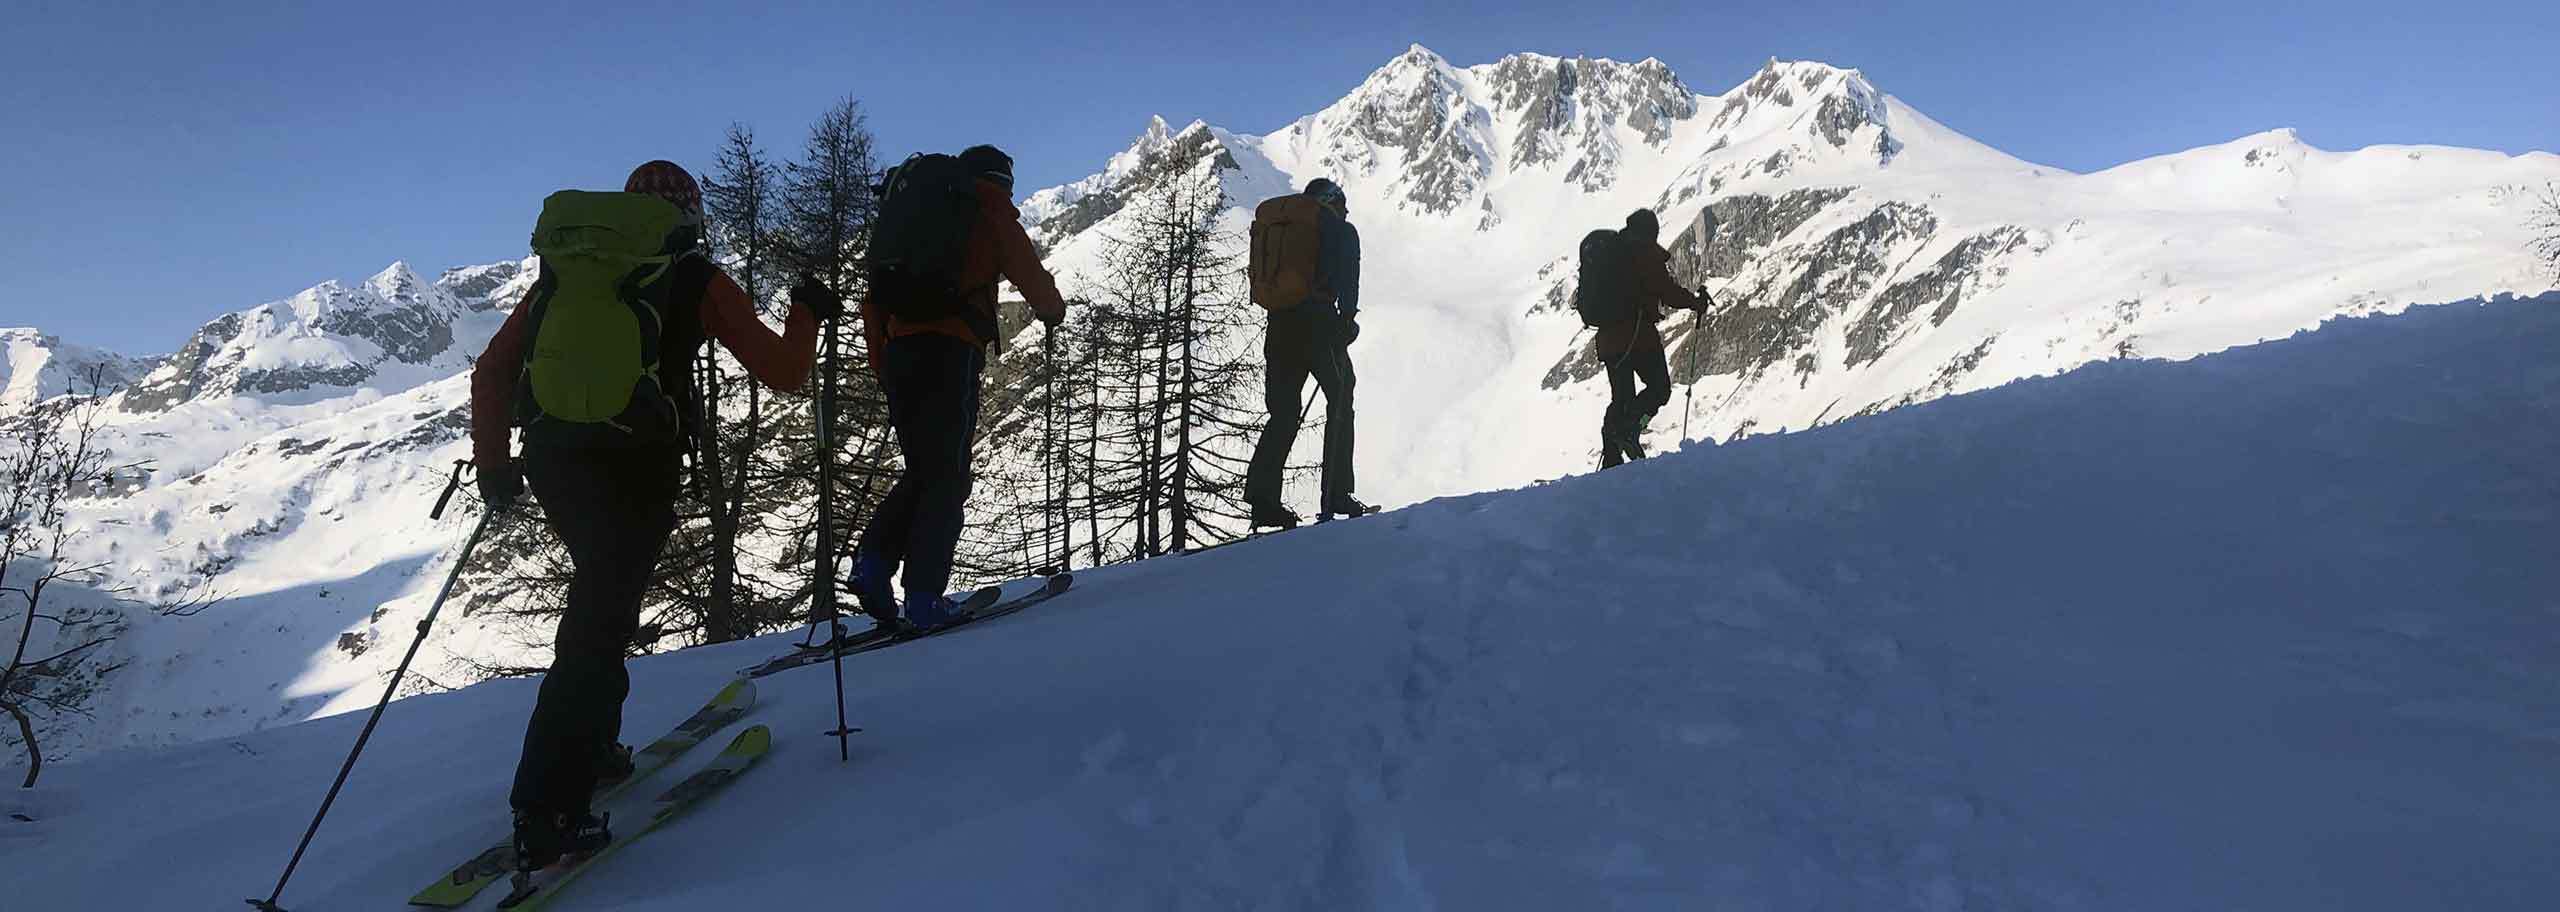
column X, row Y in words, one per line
column 457, row 887
column 534, row 893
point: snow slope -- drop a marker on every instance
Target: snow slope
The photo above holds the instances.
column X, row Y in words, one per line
column 2269, row 629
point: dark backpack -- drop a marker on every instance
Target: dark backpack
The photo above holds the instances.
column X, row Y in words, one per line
column 1605, row 292
column 1287, row 251
column 928, row 207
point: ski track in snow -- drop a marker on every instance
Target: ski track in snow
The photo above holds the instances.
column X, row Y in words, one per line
column 2268, row 629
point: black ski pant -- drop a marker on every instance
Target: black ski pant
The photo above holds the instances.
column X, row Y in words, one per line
column 932, row 383
column 1630, row 412
column 1302, row 343
column 612, row 508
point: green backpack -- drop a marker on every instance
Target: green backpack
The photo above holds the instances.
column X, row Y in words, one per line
column 599, row 308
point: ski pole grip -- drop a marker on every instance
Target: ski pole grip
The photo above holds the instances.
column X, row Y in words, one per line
column 451, row 484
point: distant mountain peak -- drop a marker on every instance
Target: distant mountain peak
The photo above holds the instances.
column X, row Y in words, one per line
column 396, row 283
column 1417, row 55
column 329, row 335
column 1157, row 155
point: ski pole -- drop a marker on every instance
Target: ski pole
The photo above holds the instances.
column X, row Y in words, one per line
column 459, row 561
column 1690, row 400
column 1057, row 490
column 1706, row 231
column 823, row 572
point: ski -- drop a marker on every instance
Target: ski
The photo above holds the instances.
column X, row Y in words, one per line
column 878, row 636
column 1049, row 589
column 981, row 605
column 537, row 890
column 1248, row 536
column 466, row 880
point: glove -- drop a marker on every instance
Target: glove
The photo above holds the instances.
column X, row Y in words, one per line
column 1050, row 320
column 501, row 485
column 821, row 301
column 1350, row 328
column 1704, row 302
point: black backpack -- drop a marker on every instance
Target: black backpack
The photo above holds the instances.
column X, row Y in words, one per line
column 928, row 206
column 1605, row 294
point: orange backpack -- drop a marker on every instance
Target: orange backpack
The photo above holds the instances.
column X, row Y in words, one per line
column 1288, row 246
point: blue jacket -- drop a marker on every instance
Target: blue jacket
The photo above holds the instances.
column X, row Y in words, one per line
column 1339, row 268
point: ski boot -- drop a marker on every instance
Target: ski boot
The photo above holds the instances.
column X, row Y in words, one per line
column 1632, row 444
column 1274, row 515
column 544, row 839
column 871, row 586
column 928, row 613
column 1345, row 506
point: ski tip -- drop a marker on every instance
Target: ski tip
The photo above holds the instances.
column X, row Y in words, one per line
column 755, row 740
column 1058, row 582
column 741, row 689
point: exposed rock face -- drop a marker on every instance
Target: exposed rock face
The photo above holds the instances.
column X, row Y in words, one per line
column 482, row 288
column 331, row 335
column 1568, row 106
column 182, row 375
column 1942, row 286
column 1439, row 135
column 1747, row 223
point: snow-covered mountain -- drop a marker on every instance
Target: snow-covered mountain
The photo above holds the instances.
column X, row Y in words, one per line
column 294, row 449
column 35, row 367
column 1867, row 257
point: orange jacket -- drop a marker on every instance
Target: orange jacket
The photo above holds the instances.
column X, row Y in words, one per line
column 1655, row 290
column 782, row 361
column 998, row 247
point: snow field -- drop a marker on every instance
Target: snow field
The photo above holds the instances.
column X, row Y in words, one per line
column 2267, row 629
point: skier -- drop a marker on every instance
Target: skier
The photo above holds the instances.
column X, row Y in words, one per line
column 608, row 482
column 929, row 367
column 1310, row 335
column 1633, row 348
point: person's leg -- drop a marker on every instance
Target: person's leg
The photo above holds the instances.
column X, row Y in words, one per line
column 885, row 536
column 652, row 483
column 934, row 437
column 1622, row 395
column 1335, row 378
column 1284, row 377
column 1651, row 367
column 613, row 513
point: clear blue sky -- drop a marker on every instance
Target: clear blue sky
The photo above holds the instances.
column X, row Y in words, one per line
column 165, row 165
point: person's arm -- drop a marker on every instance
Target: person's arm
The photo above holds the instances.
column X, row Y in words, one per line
column 493, row 389
column 1347, row 272
column 1337, row 267
column 780, row 361
column 1656, row 279
column 875, row 331
column 1019, row 261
